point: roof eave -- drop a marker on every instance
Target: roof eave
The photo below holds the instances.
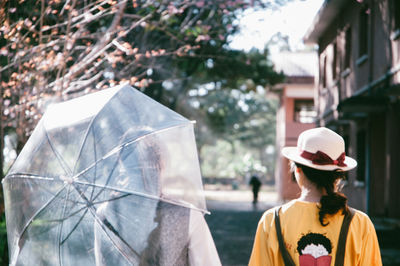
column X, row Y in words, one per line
column 324, row 18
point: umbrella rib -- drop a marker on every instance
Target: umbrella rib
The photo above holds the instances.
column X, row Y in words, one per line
column 111, row 199
column 79, row 210
column 95, row 167
column 39, row 211
column 63, row 163
column 62, row 223
column 87, row 132
column 67, row 217
column 38, row 177
column 27, row 175
column 89, row 128
column 121, row 146
column 108, row 178
column 105, row 223
column 119, row 190
column 73, row 229
column 144, row 195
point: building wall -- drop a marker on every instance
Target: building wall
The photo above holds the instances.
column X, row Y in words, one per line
column 371, row 78
column 288, row 131
column 391, row 193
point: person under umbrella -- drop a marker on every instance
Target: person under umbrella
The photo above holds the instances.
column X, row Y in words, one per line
column 318, row 228
column 179, row 235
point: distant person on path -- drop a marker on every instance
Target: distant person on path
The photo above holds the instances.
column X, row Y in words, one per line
column 256, row 184
column 318, row 228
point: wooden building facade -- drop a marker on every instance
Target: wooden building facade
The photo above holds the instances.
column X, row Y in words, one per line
column 358, row 95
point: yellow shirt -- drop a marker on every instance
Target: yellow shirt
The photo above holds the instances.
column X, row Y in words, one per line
column 305, row 238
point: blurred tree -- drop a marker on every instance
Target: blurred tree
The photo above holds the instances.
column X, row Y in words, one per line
column 219, row 160
column 236, row 115
column 231, row 100
column 279, row 42
column 243, row 119
column 52, row 50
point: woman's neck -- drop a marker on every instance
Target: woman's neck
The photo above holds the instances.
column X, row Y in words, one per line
column 311, row 194
column 309, row 191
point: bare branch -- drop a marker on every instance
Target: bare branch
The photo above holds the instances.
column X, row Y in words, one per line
column 79, row 85
column 67, row 38
column 41, row 21
column 103, row 45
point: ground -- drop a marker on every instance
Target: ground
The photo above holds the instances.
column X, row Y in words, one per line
column 234, row 219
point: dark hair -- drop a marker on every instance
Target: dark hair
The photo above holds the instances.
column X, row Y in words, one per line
column 313, row 238
column 332, row 202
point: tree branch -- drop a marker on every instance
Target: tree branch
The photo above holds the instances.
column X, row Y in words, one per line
column 103, row 45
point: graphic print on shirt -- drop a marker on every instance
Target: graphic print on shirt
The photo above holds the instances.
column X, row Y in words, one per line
column 314, row 250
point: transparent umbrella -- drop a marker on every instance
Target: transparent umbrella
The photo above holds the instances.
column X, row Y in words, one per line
column 100, row 181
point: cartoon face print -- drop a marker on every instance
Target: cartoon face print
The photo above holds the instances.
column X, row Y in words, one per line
column 314, row 250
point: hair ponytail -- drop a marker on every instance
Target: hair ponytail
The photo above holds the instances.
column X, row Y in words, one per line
column 331, row 204
column 333, row 201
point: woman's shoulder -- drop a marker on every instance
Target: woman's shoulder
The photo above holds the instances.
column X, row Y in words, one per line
column 361, row 219
column 359, row 213
column 283, row 209
column 270, row 213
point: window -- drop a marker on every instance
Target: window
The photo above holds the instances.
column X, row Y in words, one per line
column 396, row 13
column 324, row 73
column 304, row 111
column 346, row 142
column 363, row 38
column 361, row 151
column 346, row 150
column 334, row 61
column 347, row 51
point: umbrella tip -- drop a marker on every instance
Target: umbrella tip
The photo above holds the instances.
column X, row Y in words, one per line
column 67, row 179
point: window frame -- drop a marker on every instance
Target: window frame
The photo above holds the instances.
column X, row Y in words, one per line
column 347, row 48
column 395, row 7
column 324, row 71
column 334, row 61
column 296, row 113
column 361, row 153
column 363, row 32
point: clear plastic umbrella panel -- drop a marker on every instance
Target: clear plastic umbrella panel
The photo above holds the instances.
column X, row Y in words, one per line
column 105, row 179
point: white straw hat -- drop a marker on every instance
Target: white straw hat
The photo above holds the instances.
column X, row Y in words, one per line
column 320, row 148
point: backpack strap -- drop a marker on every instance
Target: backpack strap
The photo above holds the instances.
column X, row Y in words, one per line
column 285, row 254
column 341, row 248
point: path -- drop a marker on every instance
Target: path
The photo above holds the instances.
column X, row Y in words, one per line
column 233, row 222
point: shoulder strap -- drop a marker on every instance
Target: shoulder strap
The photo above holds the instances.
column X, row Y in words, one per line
column 285, row 254
column 339, row 260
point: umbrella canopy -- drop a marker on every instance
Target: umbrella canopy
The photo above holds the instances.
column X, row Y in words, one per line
column 96, row 178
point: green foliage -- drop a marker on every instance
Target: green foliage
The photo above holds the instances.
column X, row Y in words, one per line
column 3, row 242
column 237, row 115
column 233, row 160
column 241, row 128
column 235, row 68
